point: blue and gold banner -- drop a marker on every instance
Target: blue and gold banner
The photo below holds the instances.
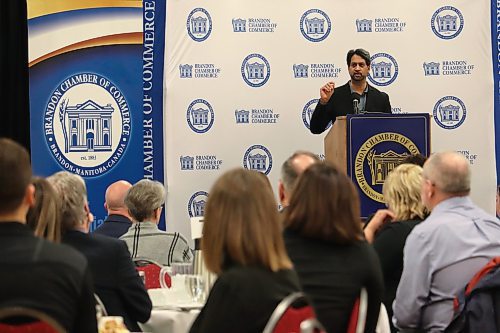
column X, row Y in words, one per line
column 87, row 92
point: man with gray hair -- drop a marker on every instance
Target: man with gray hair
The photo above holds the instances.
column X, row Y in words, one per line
column 291, row 169
column 116, row 281
column 144, row 239
column 443, row 253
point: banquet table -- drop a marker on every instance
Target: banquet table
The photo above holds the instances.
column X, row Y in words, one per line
column 169, row 321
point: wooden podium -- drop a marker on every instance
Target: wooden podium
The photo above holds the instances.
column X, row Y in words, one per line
column 367, row 147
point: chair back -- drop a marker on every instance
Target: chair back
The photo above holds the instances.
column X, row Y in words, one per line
column 293, row 314
column 357, row 320
column 25, row 320
column 151, row 271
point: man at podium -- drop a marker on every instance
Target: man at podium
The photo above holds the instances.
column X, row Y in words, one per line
column 356, row 96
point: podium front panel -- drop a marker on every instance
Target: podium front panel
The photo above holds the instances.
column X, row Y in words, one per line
column 378, row 143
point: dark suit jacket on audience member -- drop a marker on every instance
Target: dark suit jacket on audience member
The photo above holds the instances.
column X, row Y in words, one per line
column 340, row 104
column 114, row 226
column 115, row 279
column 333, row 275
column 51, row 278
column 243, row 298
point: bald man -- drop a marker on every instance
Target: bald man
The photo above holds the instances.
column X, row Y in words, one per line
column 291, row 169
column 443, row 252
column 118, row 221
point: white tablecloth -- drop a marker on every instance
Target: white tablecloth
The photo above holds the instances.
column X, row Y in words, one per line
column 169, row 321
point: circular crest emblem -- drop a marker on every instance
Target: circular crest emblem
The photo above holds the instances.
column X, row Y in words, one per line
column 196, row 204
column 258, row 158
column 315, row 25
column 377, row 157
column 200, row 116
column 87, row 124
column 255, row 70
column 449, row 112
column 447, row 22
column 199, row 24
column 384, row 69
column 307, row 112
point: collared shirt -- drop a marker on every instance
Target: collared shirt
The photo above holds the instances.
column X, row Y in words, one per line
column 362, row 100
column 456, row 231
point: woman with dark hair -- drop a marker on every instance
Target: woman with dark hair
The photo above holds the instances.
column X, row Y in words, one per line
column 44, row 217
column 243, row 244
column 325, row 241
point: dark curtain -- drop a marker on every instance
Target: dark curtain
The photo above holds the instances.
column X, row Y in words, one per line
column 14, row 90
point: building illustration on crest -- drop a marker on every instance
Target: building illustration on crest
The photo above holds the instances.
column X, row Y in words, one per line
column 187, row 163
column 364, row 25
column 186, row 71
column 431, row 68
column 315, row 26
column 242, row 116
column 447, row 23
column 381, row 164
column 199, row 207
column 199, row 25
column 300, row 70
column 257, row 162
column 239, row 25
column 200, row 116
column 449, row 112
column 89, row 126
column 381, row 70
column 255, row 70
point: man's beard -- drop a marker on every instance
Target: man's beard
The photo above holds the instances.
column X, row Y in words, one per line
column 359, row 77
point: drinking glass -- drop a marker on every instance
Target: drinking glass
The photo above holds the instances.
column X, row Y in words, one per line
column 195, row 287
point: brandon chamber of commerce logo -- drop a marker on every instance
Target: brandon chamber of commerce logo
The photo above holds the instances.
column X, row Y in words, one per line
column 256, row 116
column 258, row 158
column 196, row 204
column 307, row 112
column 448, row 67
column 87, row 124
column 255, row 70
column 384, row 69
column 199, row 24
column 447, row 22
column 378, row 156
column 200, row 116
column 255, row 25
column 199, row 71
column 381, row 24
column 449, row 112
column 301, row 71
column 315, row 25
column 469, row 156
column 200, row 162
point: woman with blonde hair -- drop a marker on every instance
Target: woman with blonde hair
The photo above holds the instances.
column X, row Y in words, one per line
column 389, row 228
column 44, row 217
column 242, row 243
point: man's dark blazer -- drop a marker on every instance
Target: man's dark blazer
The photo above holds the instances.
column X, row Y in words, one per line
column 340, row 104
column 116, row 281
column 114, row 226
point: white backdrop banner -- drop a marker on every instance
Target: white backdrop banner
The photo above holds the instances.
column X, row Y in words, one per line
column 242, row 79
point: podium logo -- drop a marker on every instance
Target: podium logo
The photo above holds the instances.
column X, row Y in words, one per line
column 449, row 112
column 200, row 116
column 199, row 24
column 307, row 112
column 378, row 156
column 447, row 22
column 384, row 69
column 196, row 204
column 255, row 70
column 87, row 124
column 258, row 158
column 315, row 25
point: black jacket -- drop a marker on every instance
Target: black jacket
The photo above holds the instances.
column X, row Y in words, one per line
column 114, row 226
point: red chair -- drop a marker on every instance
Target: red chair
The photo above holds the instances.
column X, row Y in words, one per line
column 151, row 273
column 358, row 315
column 25, row 320
column 293, row 314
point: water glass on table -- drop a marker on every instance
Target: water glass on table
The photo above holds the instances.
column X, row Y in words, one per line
column 195, row 286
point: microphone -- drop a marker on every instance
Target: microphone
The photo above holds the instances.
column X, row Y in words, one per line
column 355, row 102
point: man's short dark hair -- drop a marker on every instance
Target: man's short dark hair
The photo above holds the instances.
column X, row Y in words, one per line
column 359, row 52
column 15, row 175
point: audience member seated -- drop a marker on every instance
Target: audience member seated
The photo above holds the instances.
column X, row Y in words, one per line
column 242, row 243
column 443, row 252
column 325, row 241
column 144, row 239
column 44, row 216
column 389, row 228
column 118, row 221
column 417, row 159
column 116, row 281
column 291, row 169
column 38, row 274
